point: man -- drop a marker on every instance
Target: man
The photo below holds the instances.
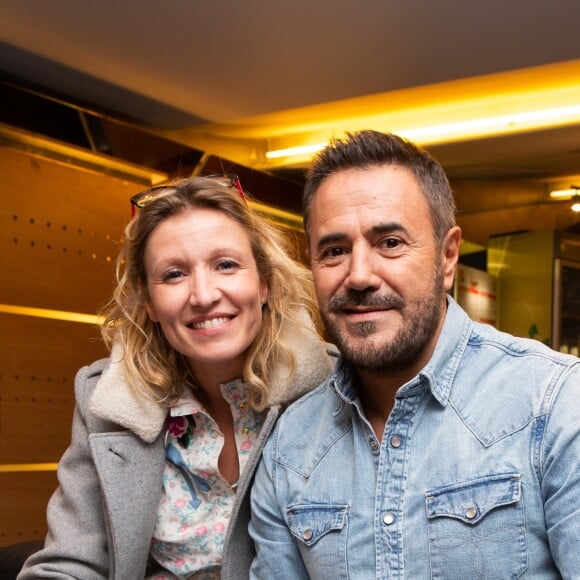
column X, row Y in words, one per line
column 439, row 448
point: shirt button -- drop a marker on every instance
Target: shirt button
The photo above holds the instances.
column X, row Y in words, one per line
column 388, row 518
column 245, row 431
column 307, row 535
column 373, row 443
column 396, row 441
column 470, row 513
column 243, row 405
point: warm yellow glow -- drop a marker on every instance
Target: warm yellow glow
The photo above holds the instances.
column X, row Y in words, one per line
column 500, row 125
column 491, row 105
column 469, row 129
column 71, row 155
column 564, row 193
column 576, row 205
column 292, row 151
column 53, row 314
column 279, row 216
column 20, row 467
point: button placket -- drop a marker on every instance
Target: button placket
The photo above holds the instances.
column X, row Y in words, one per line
column 392, row 483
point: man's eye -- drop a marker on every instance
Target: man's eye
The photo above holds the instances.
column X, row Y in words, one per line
column 330, row 253
column 391, row 243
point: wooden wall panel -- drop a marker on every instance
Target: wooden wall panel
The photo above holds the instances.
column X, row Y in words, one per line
column 22, row 521
column 59, row 232
column 59, row 228
column 38, row 361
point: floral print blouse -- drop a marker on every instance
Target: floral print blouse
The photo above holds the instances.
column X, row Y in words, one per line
column 196, row 503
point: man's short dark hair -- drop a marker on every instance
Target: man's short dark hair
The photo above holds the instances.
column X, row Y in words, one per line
column 368, row 148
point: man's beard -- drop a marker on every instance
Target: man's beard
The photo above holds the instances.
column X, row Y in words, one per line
column 420, row 320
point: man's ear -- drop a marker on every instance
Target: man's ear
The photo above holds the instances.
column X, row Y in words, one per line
column 450, row 255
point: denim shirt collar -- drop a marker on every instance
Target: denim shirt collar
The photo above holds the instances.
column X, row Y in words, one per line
column 441, row 369
column 438, row 373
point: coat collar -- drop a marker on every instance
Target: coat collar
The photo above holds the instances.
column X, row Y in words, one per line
column 115, row 400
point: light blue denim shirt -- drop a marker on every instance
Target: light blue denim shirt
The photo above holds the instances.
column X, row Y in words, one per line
column 477, row 475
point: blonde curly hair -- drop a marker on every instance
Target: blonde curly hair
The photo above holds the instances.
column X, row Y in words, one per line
column 152, row 366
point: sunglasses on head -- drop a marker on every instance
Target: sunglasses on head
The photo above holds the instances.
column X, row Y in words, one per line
column 142, row 198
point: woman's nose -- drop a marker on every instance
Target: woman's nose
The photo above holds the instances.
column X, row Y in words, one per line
column 203, row 290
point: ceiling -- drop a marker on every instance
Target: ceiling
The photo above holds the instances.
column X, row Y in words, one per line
column 238, row 79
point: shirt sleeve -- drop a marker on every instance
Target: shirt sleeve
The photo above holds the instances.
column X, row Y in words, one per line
column 560, row 474
column 277, row 554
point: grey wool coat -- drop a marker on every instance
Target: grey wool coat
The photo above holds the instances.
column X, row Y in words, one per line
column 102, row 515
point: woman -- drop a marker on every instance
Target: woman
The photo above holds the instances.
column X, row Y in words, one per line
column 210, row 333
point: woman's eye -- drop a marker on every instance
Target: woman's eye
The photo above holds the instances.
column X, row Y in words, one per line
column 227, row 265
column 171, row 275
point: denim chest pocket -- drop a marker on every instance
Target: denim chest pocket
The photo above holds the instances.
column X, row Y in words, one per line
column 477, row 529
column 321, row 533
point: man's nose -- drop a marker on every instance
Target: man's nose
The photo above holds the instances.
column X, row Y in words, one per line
column 362, row 273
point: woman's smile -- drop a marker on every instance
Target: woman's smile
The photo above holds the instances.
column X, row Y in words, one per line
column 205, row 289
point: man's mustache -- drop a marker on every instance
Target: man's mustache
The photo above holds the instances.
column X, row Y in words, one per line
column 354, row 298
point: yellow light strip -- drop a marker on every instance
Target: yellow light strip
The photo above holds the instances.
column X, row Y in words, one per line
column 564, row 193
column 279, row 216
column 503, row 124
column 298, row 150
column 487, row 126
column 72, row 155
column 53, row 314
column 21, row 467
